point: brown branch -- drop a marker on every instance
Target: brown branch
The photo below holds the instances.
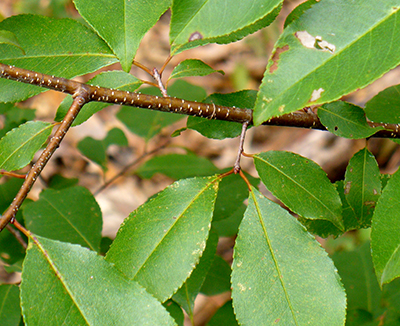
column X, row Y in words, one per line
column 80, row 98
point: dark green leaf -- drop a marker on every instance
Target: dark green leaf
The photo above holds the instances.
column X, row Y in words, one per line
column 224, row 316
column 65, row 284
column 385, row 107
column 362, row 186
column 56, row 215
column 10, row 311
column 346, row 120
column 168, row 234
column 280, row 274
column 202, row 22
column 151, row 122
column 298, row 11
column 228, row 227
column 58, row 182
column 125, row 24
column 7, row 37
column 350, row 220
column 192, row 67
column 177, row 166
column 218, row 129
column 60, row 47
column 188, row 292
column 110, row 79
column 175, row 311
column 19, row 145
column 320, row 57
column 301, row 185
column 218, row 278
column 385, row 235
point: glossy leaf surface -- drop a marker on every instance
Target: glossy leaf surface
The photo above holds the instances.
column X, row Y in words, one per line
column 110, row 79
column 300, row 285
column 219, row 129
column 60, row 47
column 385, row 235
column 65, row 284
column 192, row 67
column 301, row 185
column 19, row 145
column 385, row 107
column 57, row 216
column 362, row 186
column 168, row 234
column 122, row 23
column 346, row 120
column 195, row 23
column 334, row 48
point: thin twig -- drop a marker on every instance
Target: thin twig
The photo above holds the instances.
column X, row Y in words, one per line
column 80, row 98
column 129, row 166
column 165, row 64
column 12, row 174
column 157, row 77
column 17, row 236
column 143, row 67
column 236, row 167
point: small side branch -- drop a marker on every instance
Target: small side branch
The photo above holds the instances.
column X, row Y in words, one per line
column 236, row 167
column 80, row 98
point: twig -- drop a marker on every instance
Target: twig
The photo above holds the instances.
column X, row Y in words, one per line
column 80, row 98
column 129, row 166
column 157, row 77
column 12, row 174
column 17, row 236
column 236, row 167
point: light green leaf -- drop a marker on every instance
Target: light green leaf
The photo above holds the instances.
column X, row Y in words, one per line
column 334, row 48
column 151, row 122
column 7, row 37
column 177, row 166
column 122, row 23
column 60, row 47
column 110, row 79
column 95, row 150
column 188, row 292
column 65, row 284
column 168, row 234
column 195, row 23
column 362, row 186
column 192, row 67
column 301, row 185
column 19, row 145
column 385, row 107
column 281, row 275
column 346, row 120
column 358, row 277
column 10, row 311
column 385, row 235
column 219, row 129
column 57, row 216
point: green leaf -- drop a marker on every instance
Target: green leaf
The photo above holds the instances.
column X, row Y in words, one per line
column 175, row 311
column 60, row 47
column 210, row 21
column 126, row 23
column 58, row 182
column 358, row 277
column 298, row 11
column 385, row 235
column 301, row 185
column 177, row 166
column 188, row 292
column 65, row 284
column 218, row 129
column 95, row 150
column 385, row 107
column 57, row 216
column 346, row 120
column 224, row 316
column 110, row 79
column 281, row 275
column 362, row 186
column 350, row 219
column 319, row 58
column 19, row 145
column 7, row 37
column 10, row 311
column 168, row 234
column 228, row 227
column 218, row 278
column 192, row 67
column 151, row 122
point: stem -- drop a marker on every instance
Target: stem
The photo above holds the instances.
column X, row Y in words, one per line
column 17, row 236
column 157, row 77
column 236, row 167
column 80, row 98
